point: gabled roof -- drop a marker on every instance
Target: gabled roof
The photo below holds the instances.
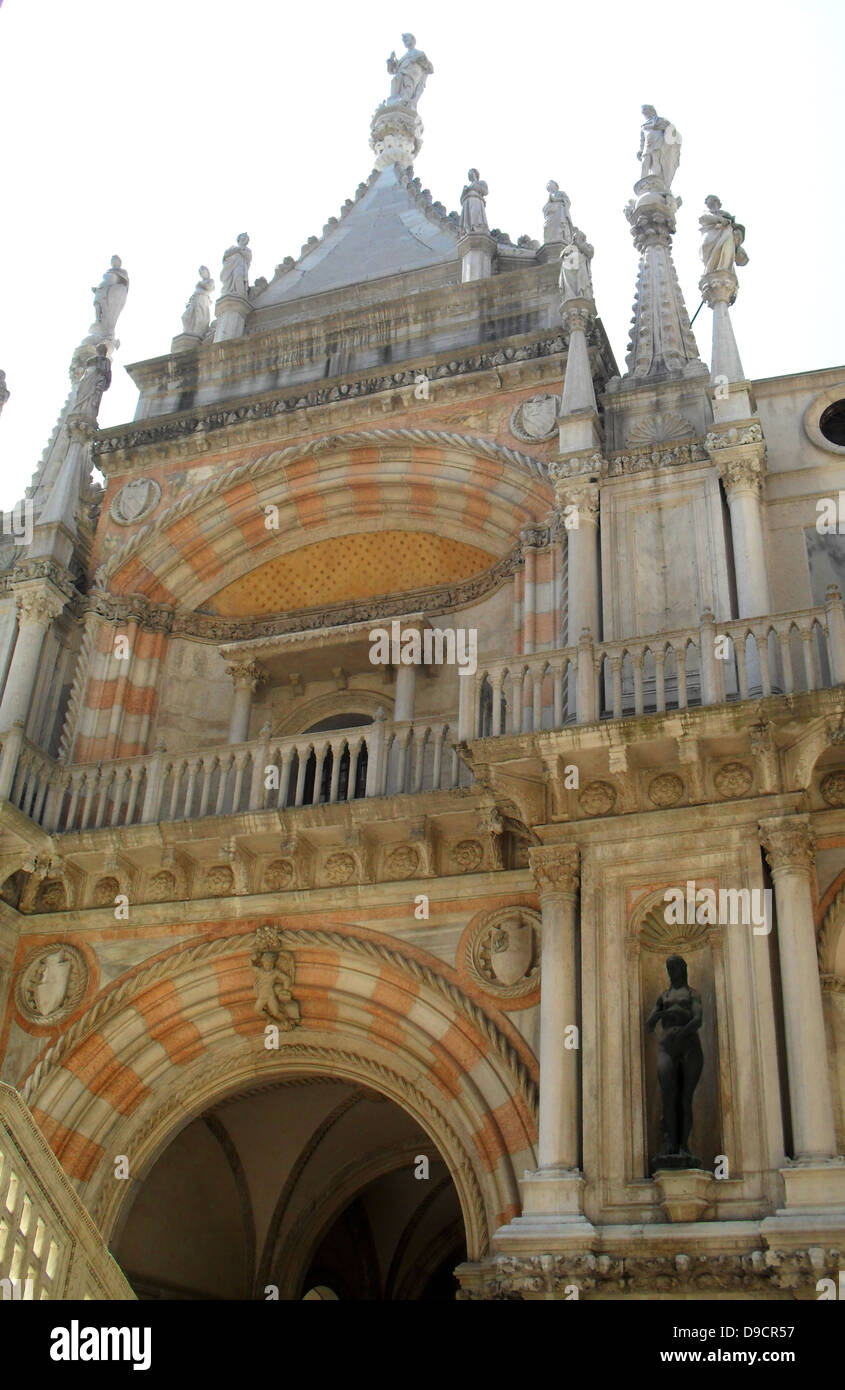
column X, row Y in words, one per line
column 392, row 226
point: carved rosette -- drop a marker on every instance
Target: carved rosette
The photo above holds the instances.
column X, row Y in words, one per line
column 789, row 844
column 666, row 789
column 51, row 984
column 733, row 780
column 556, row 869
column 833, row 788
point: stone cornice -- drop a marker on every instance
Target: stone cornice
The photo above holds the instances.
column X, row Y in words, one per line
column 157, row 431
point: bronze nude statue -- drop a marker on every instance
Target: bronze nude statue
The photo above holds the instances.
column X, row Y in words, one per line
column 679, row 1064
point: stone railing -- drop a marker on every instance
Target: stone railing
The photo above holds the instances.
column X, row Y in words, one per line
column 379, row 759
column 670, row 670
column 49, row 1246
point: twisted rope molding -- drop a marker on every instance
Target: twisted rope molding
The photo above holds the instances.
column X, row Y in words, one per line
column 110, row 1004
column 110, row 1196
column 254, row 468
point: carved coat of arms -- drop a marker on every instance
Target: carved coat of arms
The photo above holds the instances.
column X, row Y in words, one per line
column 51, row 983
column 135, row 500
column 535, row 419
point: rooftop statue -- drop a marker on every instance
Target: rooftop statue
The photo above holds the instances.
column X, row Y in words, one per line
column 197, row 315
column 95, row 380
column 5, row 393
column 556, row 222
column 660, row 148
column 109, row 299
column 721, row 238
column 409, row 74
column 473, row 208
column 576, row 281
column 679, row 1063
column 234, row 277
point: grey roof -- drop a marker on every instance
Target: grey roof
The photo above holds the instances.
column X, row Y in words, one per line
column 392, row 227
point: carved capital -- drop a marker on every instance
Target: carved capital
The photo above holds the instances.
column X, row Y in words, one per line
column 789, row 844
column 556, row 869
column 247, row 674
column 39, row 606
column 742, row 472
column 581, row 495
column 718, row 287
column 576, row 316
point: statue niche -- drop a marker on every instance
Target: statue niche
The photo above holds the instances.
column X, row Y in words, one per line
column 680, row 1067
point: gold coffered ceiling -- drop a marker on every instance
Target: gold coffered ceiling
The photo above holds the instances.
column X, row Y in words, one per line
column 349, row 567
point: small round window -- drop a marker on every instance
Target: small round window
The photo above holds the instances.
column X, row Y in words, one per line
column 832, row 423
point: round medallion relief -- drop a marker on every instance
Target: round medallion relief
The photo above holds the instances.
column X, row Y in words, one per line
column 51, row 983
column 502, row 952
column 135, row 500
column 403, row 861
column 339, row 868
column 597, row 798
column 833, row 788
column 733, row 780
column 666, row 790
column 278, row 876
column 467, row 855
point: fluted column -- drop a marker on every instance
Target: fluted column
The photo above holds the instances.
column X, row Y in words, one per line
column 37, row 607
column 247, row 676
column 739, row 456
column 789, row 846
column 556, row 873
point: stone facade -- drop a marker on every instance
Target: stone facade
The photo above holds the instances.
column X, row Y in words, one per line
column 249, row 875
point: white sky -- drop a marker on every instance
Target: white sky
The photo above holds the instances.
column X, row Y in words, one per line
column 159, row 129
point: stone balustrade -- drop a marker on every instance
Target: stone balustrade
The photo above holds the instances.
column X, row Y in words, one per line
column 706, row 665
column 49, row 1246
column 379, row 759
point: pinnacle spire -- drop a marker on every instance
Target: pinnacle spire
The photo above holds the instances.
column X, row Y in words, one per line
column 661, row 340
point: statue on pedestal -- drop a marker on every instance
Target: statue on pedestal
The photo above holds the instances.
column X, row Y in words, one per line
column 576, row 281
column 5, row 393
column 556, row 222
column 95, row 380
column 109, row 299
column 234, row 277
column 409, row 74
column 660, row 148
column 721, row 238
column 473, row 207
column 679, row 1064
column 197, row 315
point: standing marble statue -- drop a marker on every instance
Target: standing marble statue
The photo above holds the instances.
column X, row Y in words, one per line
column 409, row 74
column 95, row 380
column 109, row 299
column 721, row 238
column 234, row 277
column 660, row 148
column 197, row 315
column 576, row 281
column 556, row 222
column 5, row 393
column 679, row 1063
column 473, row 207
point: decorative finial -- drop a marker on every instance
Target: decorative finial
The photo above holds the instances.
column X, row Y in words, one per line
column 396, row 129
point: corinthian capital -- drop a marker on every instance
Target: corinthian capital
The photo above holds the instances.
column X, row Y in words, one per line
column 580, row 495
column 39, row 606
column 742, row 473
column 789, row 844
column 556, row 869
column 247, row 673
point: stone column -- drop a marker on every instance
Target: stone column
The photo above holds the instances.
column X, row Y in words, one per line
column 731, row 394
column 789, row 846
column 556, row 873
column 247, row 676
column 406, row 685
column 739, row 456
column 582, row 530
column 38, row 606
